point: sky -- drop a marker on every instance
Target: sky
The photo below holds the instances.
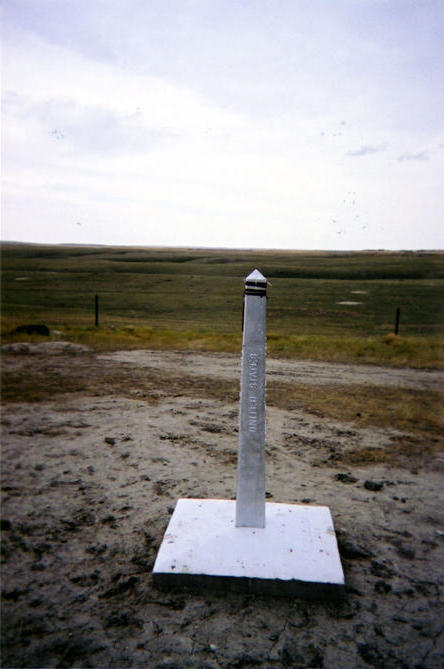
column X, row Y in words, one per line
column 281, row 124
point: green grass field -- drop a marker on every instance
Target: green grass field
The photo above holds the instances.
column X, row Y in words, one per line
column 330, row 306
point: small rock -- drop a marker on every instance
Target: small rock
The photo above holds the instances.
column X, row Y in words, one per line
column 17, row 347
column 382, row 570
column 121, row 588
column 60, row 347
column 213, row 429
column 373, row 485
column 34, row 603
column 405, row 552
column 346, row 477
column 351, row 549
column 13, row 595
column 382, row 587
column 110, row 440
column 41, row 548
column 99, row 549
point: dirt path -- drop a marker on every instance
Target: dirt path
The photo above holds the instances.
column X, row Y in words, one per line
column 90, row 480
column 291, row 371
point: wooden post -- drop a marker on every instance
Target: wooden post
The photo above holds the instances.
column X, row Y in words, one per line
column 96, row 304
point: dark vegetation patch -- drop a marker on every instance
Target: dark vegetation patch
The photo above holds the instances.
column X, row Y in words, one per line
column 38, row 329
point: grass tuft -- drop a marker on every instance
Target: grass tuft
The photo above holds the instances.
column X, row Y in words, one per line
column 419, row 352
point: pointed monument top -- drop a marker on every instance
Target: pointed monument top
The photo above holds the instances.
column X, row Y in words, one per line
column 256, row 284
column 256, row 276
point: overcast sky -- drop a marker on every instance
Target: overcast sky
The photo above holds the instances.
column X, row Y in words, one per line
column 303, row 124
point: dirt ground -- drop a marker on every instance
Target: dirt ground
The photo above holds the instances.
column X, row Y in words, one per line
column 93, row 463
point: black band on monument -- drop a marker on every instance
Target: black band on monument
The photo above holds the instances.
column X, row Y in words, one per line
column 261, row 292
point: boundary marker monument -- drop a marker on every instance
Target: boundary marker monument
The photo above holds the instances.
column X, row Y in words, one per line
column 250, row 545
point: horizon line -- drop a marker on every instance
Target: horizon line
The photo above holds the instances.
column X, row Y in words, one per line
column 223, row 248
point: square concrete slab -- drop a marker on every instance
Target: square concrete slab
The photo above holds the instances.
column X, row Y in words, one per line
column 295, row 554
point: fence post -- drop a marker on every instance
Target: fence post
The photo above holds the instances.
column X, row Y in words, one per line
column 96, row 305
column 398, row 312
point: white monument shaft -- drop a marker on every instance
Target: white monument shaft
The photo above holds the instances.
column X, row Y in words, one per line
column 250, row 499
column 249, row 545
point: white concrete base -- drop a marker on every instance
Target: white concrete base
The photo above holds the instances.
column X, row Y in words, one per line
column 295, row 554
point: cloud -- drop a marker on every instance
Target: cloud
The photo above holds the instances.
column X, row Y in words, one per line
column 79, row 127
column 366, row 149
column 421, row 155
column 182, row 123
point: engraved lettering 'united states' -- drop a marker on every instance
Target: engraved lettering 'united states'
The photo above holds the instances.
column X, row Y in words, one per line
column 252, row 389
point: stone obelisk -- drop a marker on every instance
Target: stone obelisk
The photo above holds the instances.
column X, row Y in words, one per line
column 225, row 543
column 250, row 498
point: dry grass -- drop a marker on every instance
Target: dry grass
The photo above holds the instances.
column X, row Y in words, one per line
column 399, row 408
column 416, row 413
column 405, row 451
column 388, row 350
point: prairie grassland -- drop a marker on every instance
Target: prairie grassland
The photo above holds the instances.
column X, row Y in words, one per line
column 325, row 306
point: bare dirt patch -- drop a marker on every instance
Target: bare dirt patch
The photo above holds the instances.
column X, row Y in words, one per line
column 96, row 451
column 227, row 366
